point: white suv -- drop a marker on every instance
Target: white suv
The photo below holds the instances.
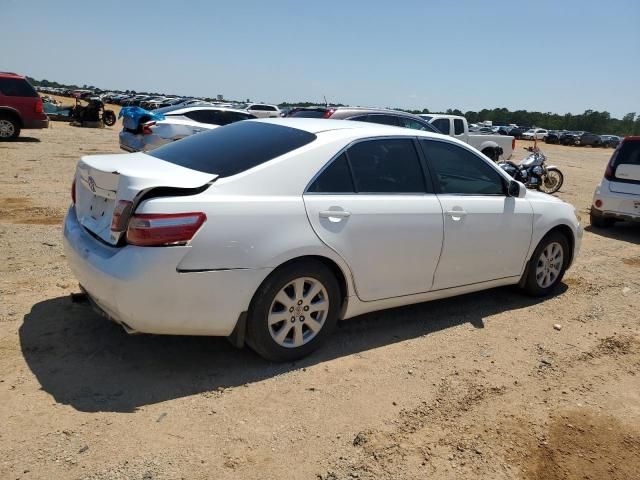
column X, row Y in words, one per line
column 617, row 197
column 262, row 110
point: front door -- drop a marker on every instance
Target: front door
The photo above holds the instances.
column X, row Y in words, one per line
column 373, row 207
column 486, row 233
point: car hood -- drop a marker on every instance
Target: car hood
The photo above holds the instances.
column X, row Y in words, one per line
column 543, row 197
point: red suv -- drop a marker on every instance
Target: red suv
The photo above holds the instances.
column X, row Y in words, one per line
column 20, row 106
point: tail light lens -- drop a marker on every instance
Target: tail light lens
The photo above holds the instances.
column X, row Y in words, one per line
column 328, row 113
column 146, row 128
column 73, row 191
column 120, row 216
column 38, row 107
column 160, row 229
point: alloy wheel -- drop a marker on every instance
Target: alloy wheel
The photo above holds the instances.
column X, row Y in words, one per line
column 298, row 312
column 7, row 129
column 549, row 265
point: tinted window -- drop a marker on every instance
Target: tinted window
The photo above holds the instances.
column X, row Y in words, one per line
column 628, row 154
column 386, row 166
column 308, row 114
column 336, row 178
column 442, row 124
column 383, row 119
column 458, row 126
column 415, row 124
column 16, row 87
column 216, row 117
column 233, row 149
column 459, row 171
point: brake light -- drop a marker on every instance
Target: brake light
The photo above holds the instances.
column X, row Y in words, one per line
column 328, row 113
column 120, row 216
column 39, row 108
column 159, row 229
column 73, row 191
column 146, row 128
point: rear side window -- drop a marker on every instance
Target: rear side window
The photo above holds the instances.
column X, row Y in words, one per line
column 458, row 171
column 415, row 124
column 386, row 166
column 234, row 148
column 336, row 178
column 16, row 87
column 458, row 126
column 442, row 124
column 383, row 119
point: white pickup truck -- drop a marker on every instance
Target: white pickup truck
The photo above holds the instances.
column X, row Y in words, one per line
column 496, row 147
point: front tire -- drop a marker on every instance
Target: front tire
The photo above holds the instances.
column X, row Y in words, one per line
column 547, row 265
column 109, row 118
column 294, row 311
column 552, row 181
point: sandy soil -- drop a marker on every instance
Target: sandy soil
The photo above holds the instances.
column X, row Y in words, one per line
column 480, row 386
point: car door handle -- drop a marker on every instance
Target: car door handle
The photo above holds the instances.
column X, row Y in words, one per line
column 336, row 214
column 455, row 213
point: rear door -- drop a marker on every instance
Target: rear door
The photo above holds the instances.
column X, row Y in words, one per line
column 626, row 169
column 486, row 233
column 375, row 207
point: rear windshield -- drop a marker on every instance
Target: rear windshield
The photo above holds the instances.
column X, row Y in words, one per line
column 308, row 114
column 234, row 148
column 628, row 154
column 16, row 87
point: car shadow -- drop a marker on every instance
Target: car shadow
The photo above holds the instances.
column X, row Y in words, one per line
column 623, row 231
column 91, row 364
column 23, row 140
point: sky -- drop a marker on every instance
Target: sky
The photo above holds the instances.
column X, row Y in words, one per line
column 552, row 56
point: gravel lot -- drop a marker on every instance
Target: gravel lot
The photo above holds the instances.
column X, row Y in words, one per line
column 480, row 386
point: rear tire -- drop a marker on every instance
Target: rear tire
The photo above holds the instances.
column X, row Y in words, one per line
column 294, row 311
column 109, row 118
column 547, row 265
column 9, row 128
column 599, row 221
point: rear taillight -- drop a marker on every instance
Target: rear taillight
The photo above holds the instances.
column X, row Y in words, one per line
column 73, row 191
column 39, row 108
column 328, row 113
column 120, row 216
column 146, row 128
column 158, row 229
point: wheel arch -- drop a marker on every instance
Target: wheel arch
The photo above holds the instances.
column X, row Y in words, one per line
column 12, row 113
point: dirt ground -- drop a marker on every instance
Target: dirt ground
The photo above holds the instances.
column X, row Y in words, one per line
column 480, row 386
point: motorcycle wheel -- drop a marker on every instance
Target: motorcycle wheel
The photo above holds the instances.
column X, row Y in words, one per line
column 552, row 181
column 109, row 118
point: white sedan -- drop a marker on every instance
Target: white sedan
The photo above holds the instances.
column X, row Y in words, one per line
column 535, row 134
column 145, row 134
column 270, row 231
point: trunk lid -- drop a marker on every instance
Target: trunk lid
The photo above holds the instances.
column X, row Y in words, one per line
column 103, row 180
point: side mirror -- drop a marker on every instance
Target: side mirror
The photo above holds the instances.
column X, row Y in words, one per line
column 516, row 189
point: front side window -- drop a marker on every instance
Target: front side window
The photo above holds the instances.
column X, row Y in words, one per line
column 386, row 166
column 442, row 124
column 459, row 171
column 414, row 124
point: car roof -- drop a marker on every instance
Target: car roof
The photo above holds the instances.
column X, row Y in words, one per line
column 11, row 75
column 205, row 107
column 319, row 125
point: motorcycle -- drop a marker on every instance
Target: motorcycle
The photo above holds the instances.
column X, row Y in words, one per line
column 533, row 172
column 93, row 111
